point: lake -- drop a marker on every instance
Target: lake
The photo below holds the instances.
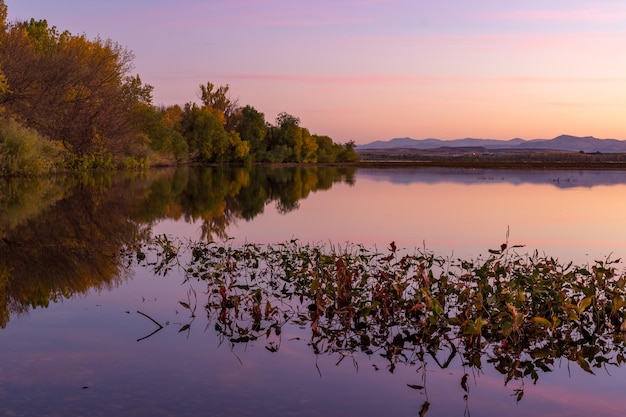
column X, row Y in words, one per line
column 89, row 330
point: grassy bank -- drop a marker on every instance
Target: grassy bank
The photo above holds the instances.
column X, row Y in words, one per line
column 518, row 160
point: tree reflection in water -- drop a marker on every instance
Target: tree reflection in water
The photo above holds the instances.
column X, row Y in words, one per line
column 60, row 236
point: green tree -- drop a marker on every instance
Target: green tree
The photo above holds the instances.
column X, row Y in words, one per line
column 285, row 119
column 277, row 150
column 252, row 128
column 291, row 142
column 285, row 141
column 330, row 152
column 207, row 138
column 327, row 151
column 348, row 153
column 292, row 137
column 160, row 133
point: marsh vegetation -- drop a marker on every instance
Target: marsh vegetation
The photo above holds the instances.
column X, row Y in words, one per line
column 520, row 314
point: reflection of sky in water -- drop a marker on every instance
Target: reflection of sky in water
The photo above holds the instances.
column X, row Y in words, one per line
column 81, row 356
column 457, row 218
column 45, row 367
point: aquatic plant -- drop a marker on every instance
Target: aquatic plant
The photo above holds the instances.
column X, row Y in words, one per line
column 517, row 313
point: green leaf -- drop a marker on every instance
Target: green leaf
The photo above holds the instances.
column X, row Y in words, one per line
column 479, row 323
column 540, row 321
column 584, row 304
column 436, row 307
column 507, row 328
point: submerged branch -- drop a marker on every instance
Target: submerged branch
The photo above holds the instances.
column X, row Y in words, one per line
column 159, row 328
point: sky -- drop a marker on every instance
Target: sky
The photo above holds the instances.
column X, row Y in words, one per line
column 366, row 70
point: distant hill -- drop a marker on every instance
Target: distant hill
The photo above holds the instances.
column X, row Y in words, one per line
column 587, row 144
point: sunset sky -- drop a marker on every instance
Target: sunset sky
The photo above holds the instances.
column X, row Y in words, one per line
column 377, row 69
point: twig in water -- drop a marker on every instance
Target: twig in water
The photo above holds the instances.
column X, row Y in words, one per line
column 154, row 321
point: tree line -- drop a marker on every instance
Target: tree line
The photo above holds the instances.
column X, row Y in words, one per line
column 66, row 100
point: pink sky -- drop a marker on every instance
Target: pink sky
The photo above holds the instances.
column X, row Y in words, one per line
column 377, row 69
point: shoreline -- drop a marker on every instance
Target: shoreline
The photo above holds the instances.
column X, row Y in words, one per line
column 516, row 160
column 527, row 165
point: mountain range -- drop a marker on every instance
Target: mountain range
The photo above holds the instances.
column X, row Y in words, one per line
column 587, row 144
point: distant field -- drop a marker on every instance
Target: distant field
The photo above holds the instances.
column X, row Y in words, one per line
column 493, row 158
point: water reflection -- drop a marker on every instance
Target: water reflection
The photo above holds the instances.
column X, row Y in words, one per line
column 217, row 198
column 516, row 314
column 563, row 178
column 60, row 236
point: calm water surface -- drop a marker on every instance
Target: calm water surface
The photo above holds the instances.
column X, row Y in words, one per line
column 73, row 341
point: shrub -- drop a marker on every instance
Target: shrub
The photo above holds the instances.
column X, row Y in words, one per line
column 24, row 152
column 92, row 161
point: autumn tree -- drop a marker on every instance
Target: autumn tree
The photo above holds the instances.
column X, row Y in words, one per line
column 173, row 115
column 135, row 92
column 70, row 88
column 308, row 151
column 79, row 92
column 3, row 16
column 3, row 27
column 218, row 98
